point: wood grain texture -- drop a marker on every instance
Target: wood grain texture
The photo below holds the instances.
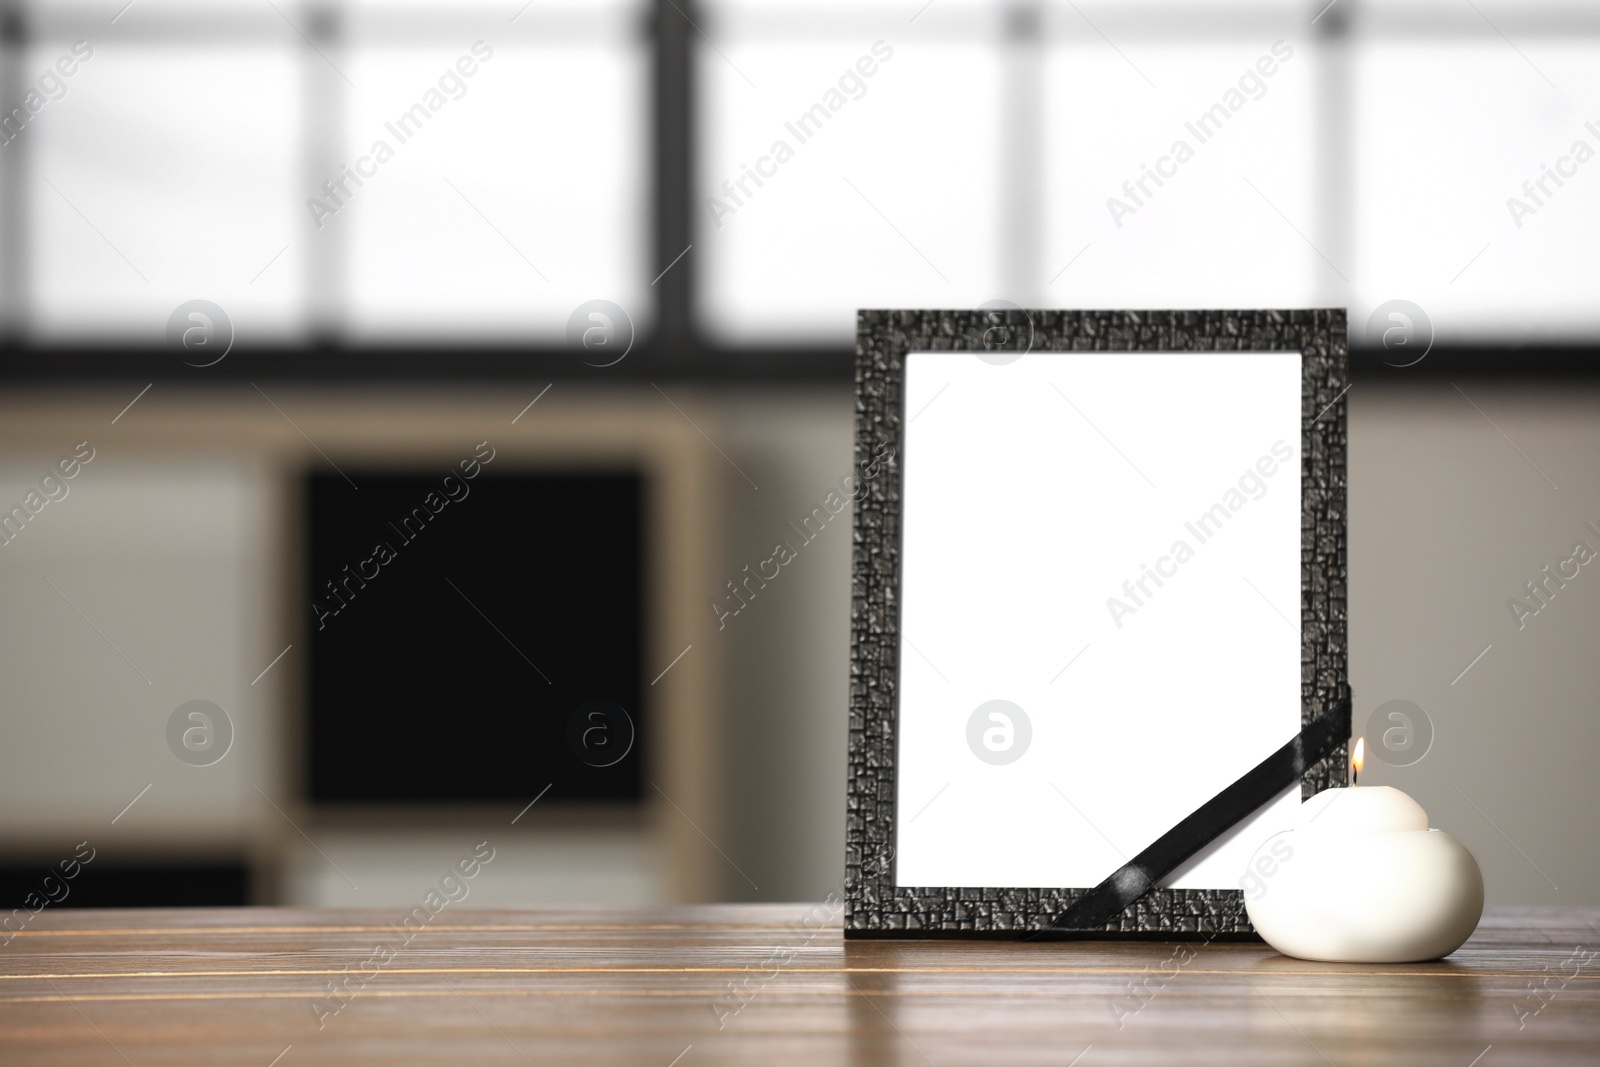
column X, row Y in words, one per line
column 763, row 984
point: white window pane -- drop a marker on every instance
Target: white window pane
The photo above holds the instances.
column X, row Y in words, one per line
column 163, row 175
column 1444, row 11
column 520, row 10
column 886, row 197
column 515, row 193
column 1231, row 146
column 1447, row 136
column 102, row 12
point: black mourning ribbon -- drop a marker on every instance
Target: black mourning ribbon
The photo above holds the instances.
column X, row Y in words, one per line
column 1211, row 820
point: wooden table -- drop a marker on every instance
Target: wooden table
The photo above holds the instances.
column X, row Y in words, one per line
column 759, row 984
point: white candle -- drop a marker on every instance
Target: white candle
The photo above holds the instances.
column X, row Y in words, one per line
column 1362, row 879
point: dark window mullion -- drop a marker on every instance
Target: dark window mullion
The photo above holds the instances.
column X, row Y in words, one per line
column 672, row 128
column 14, row 287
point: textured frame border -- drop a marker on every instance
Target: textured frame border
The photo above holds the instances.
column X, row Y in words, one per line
column 874, row 906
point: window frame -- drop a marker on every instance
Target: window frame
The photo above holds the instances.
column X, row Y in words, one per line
column 675, row 348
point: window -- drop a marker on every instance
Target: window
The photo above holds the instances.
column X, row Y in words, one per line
column 379, row 172
column 858, row 167
column 523, row 196
column 1476, row 192
column 744, row 174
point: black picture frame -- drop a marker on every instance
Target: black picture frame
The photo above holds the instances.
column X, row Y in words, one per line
column 875, row 907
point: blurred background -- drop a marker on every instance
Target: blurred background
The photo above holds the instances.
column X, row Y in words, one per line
column 391, row 391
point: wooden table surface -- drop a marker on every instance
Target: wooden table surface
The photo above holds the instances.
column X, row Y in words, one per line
column 760, row 984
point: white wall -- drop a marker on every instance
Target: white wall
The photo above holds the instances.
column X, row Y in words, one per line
column 1447, row 521
column 169, row 554
column 787, row 653
column 1452, row 510
column 163, row 558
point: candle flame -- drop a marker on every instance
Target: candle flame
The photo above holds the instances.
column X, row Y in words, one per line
column 1360, row 758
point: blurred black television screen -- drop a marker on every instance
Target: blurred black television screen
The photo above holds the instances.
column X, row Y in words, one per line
column 476, row 634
